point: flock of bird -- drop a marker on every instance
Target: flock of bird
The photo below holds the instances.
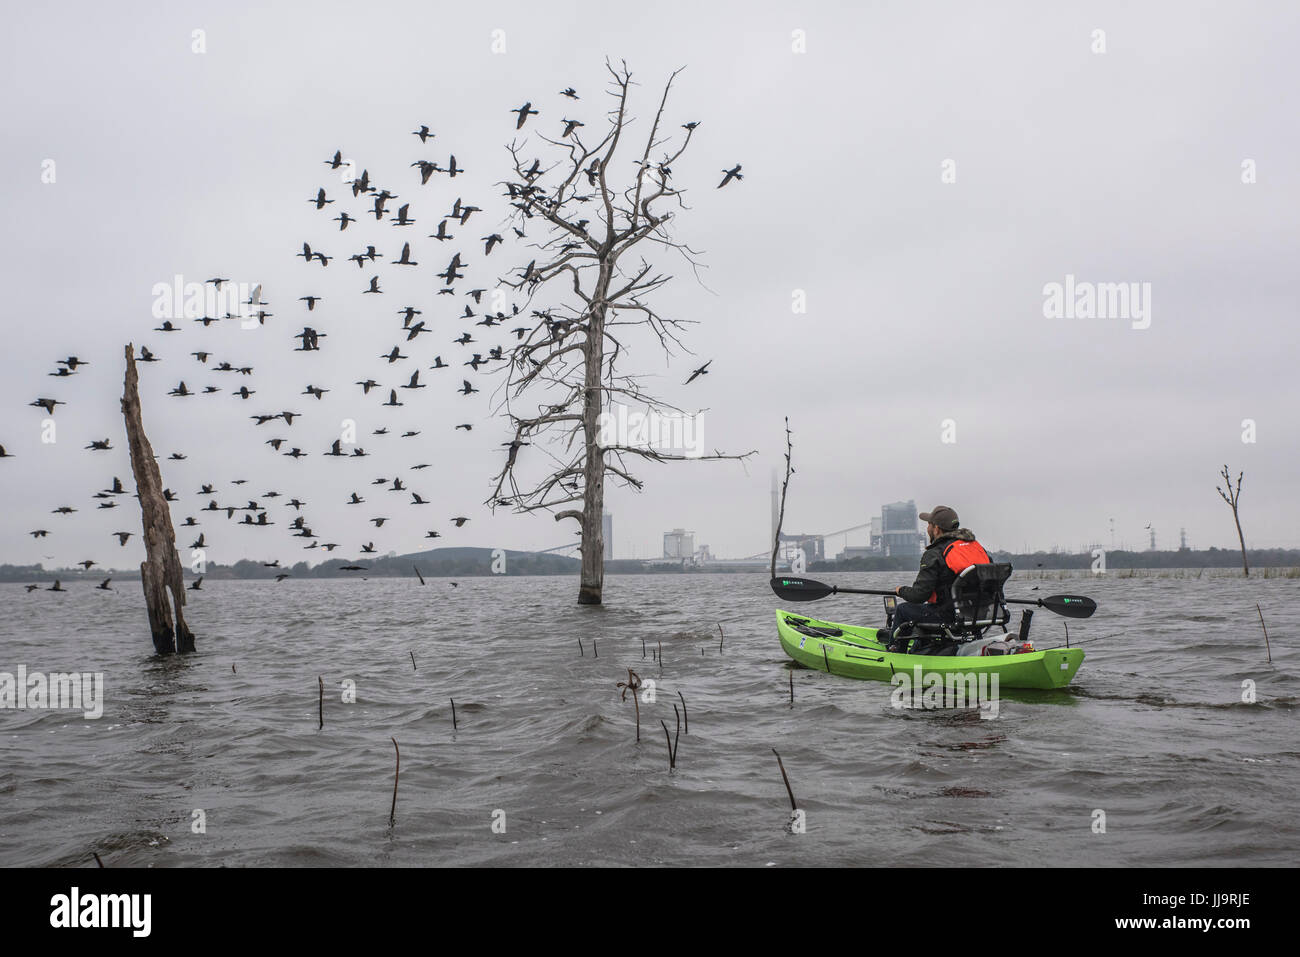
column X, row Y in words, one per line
column 400, row 367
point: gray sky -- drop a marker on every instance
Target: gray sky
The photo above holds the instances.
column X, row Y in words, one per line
column 925, row 298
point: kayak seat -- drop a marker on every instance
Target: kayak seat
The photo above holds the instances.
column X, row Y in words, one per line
column 978, row 603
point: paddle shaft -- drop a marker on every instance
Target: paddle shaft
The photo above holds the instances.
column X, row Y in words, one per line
column 836, row 589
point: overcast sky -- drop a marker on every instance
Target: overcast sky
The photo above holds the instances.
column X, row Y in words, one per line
column 925, row 298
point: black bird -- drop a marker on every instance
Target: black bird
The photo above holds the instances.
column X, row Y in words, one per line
column 146, row 356
column 424, row 134
column 570, row 126
column 427, row 169
column 571, row 93
column 337, row 448
column 198, row 583
column 415, row 381
column 406, row 259
column 374, row 285
column 167, row 327
column 56, row 586
column 401, row 219
column 460, row 521
column 731, row 174
column 464, row 425
column 104, row 586
column 702, row 370
column 453, row 272
column 310, row 300
column 524, row 112
column 442, row 232
column 392, row 399
column 343, row 221
column 438, row 363
column 487, row 250
column 393, row 356
column 367, row 385
column 320, row 199
column 466, row 389
column 98, row 446
column 337, row 161
column 451, row 167
column 122, row 537
column 47, row 404
column 316, row 391
column 180, row 390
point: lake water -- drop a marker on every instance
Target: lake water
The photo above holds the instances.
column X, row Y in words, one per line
column 1153, row 732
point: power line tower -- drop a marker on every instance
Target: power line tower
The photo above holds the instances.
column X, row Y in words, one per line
column 1182, row 539
column 1153, row 539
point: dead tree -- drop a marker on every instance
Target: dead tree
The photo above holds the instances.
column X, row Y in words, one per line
column 1232, row 496
column 564, row 361
column 161, row 569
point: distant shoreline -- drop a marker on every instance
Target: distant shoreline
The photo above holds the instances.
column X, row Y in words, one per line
column 475, row 562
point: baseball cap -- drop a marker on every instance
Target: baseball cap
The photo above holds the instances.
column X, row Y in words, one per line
column 942, row 516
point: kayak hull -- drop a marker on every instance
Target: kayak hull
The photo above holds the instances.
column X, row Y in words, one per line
column 855, row 653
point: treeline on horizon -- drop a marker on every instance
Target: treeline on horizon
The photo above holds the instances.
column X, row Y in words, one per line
column 471, row 562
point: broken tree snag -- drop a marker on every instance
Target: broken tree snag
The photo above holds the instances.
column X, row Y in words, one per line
column 161, row 569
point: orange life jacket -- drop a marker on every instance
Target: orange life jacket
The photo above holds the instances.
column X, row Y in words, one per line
column 959, row 556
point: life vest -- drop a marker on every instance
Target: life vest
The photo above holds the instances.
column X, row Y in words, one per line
column 959, row 556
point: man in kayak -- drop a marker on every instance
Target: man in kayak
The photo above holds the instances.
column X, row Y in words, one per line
column 929, row 598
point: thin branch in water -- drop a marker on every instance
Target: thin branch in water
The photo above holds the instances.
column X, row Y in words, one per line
column 392, row 813
column 454, row 726
column 684, row 712
column 786, row 778
column 721, row 637
column 97, row 860
column 413, row 668
column 633, row 684
column 789, row 470
column 321, row 702
column 792, row 687
column 1265, row 627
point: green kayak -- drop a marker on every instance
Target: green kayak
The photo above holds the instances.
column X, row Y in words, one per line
column 853, row 652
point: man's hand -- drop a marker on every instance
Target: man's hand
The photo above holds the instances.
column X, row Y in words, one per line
column 898, row 589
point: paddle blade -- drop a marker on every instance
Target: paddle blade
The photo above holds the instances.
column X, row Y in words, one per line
column 800, row 589
column 1070, row 606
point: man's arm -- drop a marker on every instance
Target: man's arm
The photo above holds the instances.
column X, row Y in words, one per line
column 927, row 580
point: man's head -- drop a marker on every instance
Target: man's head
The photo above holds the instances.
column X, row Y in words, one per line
column 939, row 520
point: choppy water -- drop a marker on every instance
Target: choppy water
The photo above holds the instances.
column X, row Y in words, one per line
column 1153, row 732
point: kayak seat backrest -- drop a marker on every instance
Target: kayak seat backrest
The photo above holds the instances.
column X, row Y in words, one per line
column 978, row 599
column 978, row 603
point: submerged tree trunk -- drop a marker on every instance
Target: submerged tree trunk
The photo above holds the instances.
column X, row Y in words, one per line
column 161, row 569
column 592, row 582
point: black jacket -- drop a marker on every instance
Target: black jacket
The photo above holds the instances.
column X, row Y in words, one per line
column 935, row 577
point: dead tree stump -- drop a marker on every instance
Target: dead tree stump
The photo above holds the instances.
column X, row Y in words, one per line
column 161, row 569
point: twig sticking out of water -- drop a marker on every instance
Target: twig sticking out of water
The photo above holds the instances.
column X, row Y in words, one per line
column 792, row 687
column 232, row 668
column 413, row 668
column 97, row 860
column 453, row 715
column 1265, row 627
column 789, row 470
column 321, row 702
column 721, row 637
column 642, row 647
column 672, row 747
column 582, row 652
column 1067, row 633
column 688, row 717
column 392, row 814
column 594, row 652
column 786, row 778
column 661, row 654
column 633, row 684
column 417, row 574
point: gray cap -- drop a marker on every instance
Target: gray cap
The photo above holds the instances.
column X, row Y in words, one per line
column 942, row 516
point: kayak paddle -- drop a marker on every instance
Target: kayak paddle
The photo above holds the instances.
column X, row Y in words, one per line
column 805, row 589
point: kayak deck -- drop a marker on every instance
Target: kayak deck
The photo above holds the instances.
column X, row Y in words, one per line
column 852, row 651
